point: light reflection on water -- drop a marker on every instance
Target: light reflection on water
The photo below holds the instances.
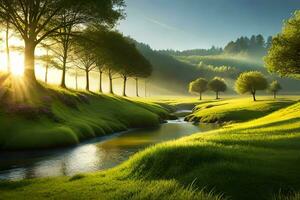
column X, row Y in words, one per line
column 97, row 154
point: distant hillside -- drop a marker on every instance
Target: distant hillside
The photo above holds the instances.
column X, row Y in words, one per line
column 172, row 74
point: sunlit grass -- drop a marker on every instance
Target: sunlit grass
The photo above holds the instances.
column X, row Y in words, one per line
column 237, row 109
column 61, row 117
column 258, row 159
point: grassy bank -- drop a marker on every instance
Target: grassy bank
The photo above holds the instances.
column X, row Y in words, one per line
column 61, row 118
column 235, row 110
column 258, row 159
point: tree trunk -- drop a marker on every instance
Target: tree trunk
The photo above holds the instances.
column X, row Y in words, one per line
column 8, row 64
column 217, row 95
column 47, row 67
column 145, row 88
column 46, row 74
column 124, row 86
column 29, row 70
column 100, row 82
column 110, row 83
column 253, row 95
column 274, row 95
column 87, row 80
column 76, row 79
column 137, row 86
column 200, row 95
column 64, row 69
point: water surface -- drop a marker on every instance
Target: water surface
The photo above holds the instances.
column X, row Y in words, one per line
column 97, row 154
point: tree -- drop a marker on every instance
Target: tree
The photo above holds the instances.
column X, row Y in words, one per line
column 275, row 87
column 251, row 82
column 144, row 71
column 217, row 85
column 48, row 60
column 35, row 20
column 199, row 86
column 110, row 49
column 85, row 58
column 283, row 56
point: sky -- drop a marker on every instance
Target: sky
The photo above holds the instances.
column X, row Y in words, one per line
column 190, row 24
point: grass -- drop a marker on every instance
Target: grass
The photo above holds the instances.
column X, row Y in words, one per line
column 101, row 186
column 257, row 159
column 65, row 117
column 235, row 110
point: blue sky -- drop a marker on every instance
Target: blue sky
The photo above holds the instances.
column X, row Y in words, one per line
column 189, row 24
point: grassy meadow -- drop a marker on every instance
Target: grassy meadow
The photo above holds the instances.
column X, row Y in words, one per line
column 255, row 159
column 64, row 117
column 236, row 109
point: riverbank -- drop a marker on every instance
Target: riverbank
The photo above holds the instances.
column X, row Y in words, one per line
column 60, row 118
column 258, row 159
column 236, row 110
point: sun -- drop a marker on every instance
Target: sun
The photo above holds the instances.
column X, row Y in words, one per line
column 17, row 64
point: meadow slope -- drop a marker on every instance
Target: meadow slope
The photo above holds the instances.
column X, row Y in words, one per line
column 258, row 159
column 62, row 117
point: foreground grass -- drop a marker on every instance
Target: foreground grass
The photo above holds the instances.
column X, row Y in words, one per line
column 235, row 110
column 64, row 118
column 258, row 159
column 101, row 186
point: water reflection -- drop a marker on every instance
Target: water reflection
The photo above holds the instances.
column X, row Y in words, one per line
column 97, row 154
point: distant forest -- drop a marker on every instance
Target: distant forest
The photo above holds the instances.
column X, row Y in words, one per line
column 194, row 52
column 170, row 66
column 256, row 46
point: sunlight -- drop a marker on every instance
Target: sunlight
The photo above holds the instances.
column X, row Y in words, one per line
column 17, row 64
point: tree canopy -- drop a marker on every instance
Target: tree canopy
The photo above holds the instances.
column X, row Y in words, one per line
column 35, row 20
column 275, row 87
column 255, row 45
column 283, row 57
column 198, row 86
column 217, row 85
column 251, row 82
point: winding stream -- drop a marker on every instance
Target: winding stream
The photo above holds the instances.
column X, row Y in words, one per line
column 97, row 154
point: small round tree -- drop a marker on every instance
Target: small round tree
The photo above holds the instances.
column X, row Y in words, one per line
column 275, row 87
column 217, row 85
column 198, row 86
column 251, row 82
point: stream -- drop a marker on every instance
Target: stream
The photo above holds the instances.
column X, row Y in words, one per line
column 96, row 154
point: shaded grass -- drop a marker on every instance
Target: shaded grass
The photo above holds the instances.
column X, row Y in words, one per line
column 67, row 118
column 101, row 186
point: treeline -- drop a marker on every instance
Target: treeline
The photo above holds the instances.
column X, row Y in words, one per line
column 75, row 36
column 194, row 52
column 256, row 45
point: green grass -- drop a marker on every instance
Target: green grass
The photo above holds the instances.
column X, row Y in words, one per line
column 72, row 117
column 258, row 159
column 235, row 110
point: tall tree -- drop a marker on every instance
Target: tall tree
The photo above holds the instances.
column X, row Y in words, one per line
column 143, row 71
column 283, row 56
column 35, row 20
column 7, row 36
column 85, row 59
